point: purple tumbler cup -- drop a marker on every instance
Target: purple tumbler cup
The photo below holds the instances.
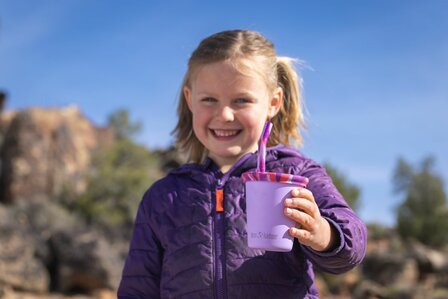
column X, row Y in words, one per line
column 267, row 226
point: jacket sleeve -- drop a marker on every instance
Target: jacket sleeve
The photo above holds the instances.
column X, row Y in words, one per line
column 141, row 273
column 351, row 230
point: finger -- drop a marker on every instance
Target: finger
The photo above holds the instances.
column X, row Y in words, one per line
column 301, row 204
column 304, row 220
column 308, row 206
column 302, row 235
column 295, row 192
column 304, row 193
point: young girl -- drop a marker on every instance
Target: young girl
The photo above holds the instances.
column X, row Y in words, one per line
column 184, row 244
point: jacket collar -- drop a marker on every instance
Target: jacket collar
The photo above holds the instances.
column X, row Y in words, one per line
column 247, row 162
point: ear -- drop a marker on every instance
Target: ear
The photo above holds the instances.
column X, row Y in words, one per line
column 276, row 102
column 187, row 94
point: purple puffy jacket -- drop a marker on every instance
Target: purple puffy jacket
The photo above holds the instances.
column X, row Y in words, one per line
column 182, row 248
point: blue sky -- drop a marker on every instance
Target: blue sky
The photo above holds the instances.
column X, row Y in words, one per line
column 375, row 81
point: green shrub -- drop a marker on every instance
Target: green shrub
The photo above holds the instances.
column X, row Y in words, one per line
column 423, row 214
column 118, row 177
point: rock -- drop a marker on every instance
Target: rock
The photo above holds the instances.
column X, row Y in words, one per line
column 368, row 290
column 85, row 262
column 321, row 286
column 43, row 248
column 22, row 295
column 9, row 293
column 19, row 266
column 390, row 269
column 429, row 260
column 44, row 150
column 341, row 284
column 2, row 100
column 5, row 117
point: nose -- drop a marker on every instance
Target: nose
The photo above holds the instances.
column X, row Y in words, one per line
column 226, row 114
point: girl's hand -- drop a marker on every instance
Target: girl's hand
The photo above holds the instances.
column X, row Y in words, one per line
column 311, row 228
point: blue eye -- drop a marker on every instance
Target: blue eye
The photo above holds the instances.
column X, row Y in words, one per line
column 208, row 100
column 242, row 101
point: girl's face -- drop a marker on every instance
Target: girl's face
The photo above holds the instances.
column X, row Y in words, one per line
column 229, row 110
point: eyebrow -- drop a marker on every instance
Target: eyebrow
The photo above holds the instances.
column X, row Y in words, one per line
column 243, row 94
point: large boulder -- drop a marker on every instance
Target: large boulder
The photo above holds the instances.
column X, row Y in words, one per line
column 20, row 267
column 44, row 248
column 86, row 261
column 46, row 150
column 429, row 260
column 390, row 269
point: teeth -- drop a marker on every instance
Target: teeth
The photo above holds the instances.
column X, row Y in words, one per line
column 226, row 133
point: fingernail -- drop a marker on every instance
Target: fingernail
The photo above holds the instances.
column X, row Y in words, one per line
column 288, row 211
column 288, row 201
column 296, row 192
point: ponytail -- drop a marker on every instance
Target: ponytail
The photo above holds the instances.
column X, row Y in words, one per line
column 289, row 121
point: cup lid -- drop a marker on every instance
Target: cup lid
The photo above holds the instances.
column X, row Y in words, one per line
column 275, row 177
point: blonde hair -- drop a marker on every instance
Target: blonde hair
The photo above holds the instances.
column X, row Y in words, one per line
column 248, row 51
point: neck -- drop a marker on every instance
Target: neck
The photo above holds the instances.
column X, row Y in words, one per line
column 224, row 164
column 225, row 168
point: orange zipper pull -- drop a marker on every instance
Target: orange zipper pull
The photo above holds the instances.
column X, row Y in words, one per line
column 219, row 200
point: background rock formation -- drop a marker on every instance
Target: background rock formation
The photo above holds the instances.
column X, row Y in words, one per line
column 44, row 150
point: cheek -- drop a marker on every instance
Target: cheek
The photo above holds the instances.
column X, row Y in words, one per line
column 200, row 120
column 255, row 123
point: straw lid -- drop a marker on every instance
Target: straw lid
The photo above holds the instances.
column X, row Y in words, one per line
column 275, row 177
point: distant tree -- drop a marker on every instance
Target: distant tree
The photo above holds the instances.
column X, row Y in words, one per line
column 423, row 214
column 349, row 191
column 119, row 176
column 121, row 124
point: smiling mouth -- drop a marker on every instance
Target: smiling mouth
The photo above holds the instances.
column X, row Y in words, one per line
column 225, row 133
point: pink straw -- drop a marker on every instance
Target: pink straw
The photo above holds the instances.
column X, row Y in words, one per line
column 261, row 167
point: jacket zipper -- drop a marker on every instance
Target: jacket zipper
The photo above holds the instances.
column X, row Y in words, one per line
column 219, row 236
column 219, row 256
